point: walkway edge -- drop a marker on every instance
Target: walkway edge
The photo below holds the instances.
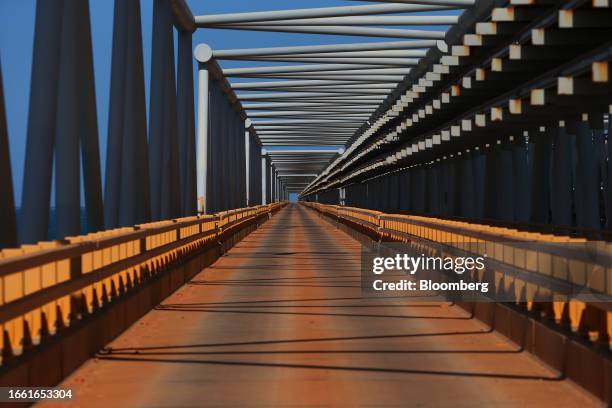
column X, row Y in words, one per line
column 52, row 361
column 588, row 368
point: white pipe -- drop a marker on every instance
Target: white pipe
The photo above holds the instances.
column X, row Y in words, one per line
column 307, row 49
column 202, row 53
column 347, row 54
column 281, row 84
column 395, row 62
column 342, row 30
column 279, row 95
column 296, row 68
column 357, row 21
column 232, row 18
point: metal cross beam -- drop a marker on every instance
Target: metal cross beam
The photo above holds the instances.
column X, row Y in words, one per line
column 325, row 93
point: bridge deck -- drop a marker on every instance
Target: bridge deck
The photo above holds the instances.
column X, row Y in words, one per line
column 279, row 321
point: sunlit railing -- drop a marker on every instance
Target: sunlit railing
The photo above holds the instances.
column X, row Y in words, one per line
column 568, row 260
column 51, row 285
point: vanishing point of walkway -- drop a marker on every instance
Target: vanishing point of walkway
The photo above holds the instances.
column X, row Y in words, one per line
column 279, row 322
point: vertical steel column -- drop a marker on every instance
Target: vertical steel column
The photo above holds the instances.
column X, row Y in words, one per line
column 134, row 205
column 129, row 181
column 116, row 111
column 237, row 157
column 242, row 154
column 405, row 186
column 255, row 169
column 433, row 189
column 220, row 191
column 419, row 192
column 490, row 185
column 163, row 145
column 161, row 38
column 90, row 149
column 504, row 184
column 8, row 231
column 271, row 181
column 127, row 200
column 276, row 186
column 467, row 185
column 443, row 187
column 247, row 158
column 451, row 186
column 171, row 184
column 36, row 191
column 608, row 195
column 67, row 165
column 264, row 167
column 521, row 180
column 456, row 184
column 561, row 190
column 228, row 170
column 270, row 188
column 587, row 176
column 478, row 171
column 186, row 125
column 214, row 146
column 203, row 54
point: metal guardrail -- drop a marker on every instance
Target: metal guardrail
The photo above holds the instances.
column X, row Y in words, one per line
column 51, row 285
column 540, row 255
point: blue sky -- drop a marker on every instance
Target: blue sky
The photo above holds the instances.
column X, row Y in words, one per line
column 16, row 42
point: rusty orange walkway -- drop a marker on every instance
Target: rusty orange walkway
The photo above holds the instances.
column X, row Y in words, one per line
column 278, row 321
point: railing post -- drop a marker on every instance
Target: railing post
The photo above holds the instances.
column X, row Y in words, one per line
column 203, row 54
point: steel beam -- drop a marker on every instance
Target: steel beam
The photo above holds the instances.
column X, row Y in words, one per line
column 310, row 106
column 234, row 18
column 247, row 149
column 341, row 30
column 303, row 151
column 309, row 49
column 374, row 61
column 8, row 232
column 410, row 53
column 37, row 175
column 293, row 95
column 353, row 78
column 427, row 20
column 202, row 53
column 67, row 162
column 186, row 125
column 309, row 83
column 264, row 182
column 284, row 69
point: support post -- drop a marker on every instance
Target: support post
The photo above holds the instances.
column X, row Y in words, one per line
column 271, row 182
column 8, row 232
column 126, row 192
column 163, row 139
column 36, row 191
column 67, row 170
column 185, row 112
column 203, row 54
column 264, row 169
column 247, row 157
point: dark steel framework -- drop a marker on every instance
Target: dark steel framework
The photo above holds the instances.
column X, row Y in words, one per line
column 511, row 126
